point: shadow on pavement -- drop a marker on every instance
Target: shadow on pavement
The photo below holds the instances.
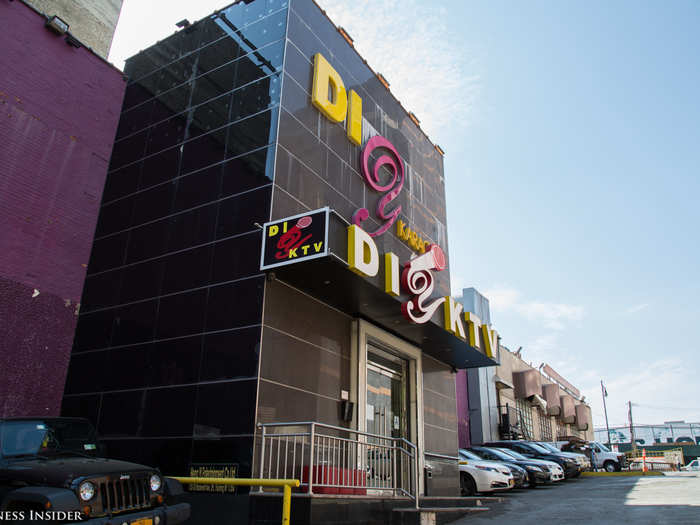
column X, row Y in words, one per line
column 607, row 501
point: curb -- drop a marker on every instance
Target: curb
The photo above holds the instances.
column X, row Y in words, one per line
column 621, row 473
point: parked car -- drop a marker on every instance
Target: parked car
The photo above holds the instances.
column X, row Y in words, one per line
column 693, row 465
column 532, row 450
column 581, row 459
column 477, row 475
column 520, row 477
column 555, row 471
column 538, row 471
column 52, row 466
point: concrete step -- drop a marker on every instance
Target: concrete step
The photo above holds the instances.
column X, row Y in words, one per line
column 452, row 501
column 431, row 515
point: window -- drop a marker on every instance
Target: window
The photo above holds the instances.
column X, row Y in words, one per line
column 545, row 425
column 525, row 415
column 561, row 430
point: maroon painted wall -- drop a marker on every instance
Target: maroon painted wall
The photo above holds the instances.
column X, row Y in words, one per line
column 59, row 108
column 462, row 409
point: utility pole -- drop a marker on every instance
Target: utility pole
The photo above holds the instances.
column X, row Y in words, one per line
column 634, row 442
column 605, row 409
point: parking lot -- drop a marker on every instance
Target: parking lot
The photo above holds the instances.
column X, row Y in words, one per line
column 673, row 499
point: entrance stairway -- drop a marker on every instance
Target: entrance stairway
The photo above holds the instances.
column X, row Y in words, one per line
column 265, row 509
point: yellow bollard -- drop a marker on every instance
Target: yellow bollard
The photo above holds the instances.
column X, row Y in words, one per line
column 286, row 504
column 286, row 485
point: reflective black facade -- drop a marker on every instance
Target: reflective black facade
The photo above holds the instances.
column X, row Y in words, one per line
column 182, row 344
column 169, row 328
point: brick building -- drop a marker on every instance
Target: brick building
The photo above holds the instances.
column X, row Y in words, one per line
column 59, row 108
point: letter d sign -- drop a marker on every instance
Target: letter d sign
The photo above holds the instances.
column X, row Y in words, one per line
column 328, row 92
column 329, row 96
column 363, row 257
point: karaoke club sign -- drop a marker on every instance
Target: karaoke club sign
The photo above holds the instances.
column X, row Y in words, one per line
column 299, row 238
column 416, row 279
column 305, row 236
column 329, row 96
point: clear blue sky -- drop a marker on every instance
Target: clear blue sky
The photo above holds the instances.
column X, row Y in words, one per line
column 579, row 178
column 572, row 139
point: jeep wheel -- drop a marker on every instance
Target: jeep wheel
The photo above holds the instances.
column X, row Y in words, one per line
column 467, row 484
column 610, row 466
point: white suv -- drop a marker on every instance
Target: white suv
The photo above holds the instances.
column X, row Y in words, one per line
column 479, row 475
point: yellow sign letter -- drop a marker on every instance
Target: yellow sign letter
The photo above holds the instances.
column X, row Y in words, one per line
column 392, row 273
column 355, row 118
column 328, row 92
column 453, row 322
column 363, row 256
column 473, row 324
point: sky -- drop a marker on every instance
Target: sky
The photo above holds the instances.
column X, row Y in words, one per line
column 572, row 140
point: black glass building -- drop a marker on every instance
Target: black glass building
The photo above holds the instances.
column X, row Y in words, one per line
column 183, row 345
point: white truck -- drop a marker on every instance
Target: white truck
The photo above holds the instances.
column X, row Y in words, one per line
column 601, row 456
column 604, row 458
column 693, row 465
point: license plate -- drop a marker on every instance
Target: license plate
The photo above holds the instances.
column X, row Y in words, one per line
column 143, row 521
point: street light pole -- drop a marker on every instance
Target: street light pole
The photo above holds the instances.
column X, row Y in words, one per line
column 605, row 409
column 634, row 441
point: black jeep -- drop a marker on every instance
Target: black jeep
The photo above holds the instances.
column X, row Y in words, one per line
column 50, row 470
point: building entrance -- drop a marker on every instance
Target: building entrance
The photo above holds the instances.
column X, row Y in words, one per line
column 387, row 394
column 386, row 416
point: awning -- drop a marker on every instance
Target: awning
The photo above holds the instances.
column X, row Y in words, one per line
column 329, row 280
column 527, row 383
column 501, row 384
column 538, row 401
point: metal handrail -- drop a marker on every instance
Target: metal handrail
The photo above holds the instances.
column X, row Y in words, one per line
column 286, row 485
column 324, row 425
column 441, row 456
column 351, row 462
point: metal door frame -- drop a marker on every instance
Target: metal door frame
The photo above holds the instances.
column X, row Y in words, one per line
column 363, row 333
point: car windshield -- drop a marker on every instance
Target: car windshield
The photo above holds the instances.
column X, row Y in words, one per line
column 538, row 448
column 46, row 437
column 496, row 452
column 511, row 453
column 468, row 454
column 603, row 447
column 549, row 447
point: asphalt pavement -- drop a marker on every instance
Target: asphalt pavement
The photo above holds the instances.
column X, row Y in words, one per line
column 657, row 500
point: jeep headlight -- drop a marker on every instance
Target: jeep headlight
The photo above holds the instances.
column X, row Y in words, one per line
column 86, row 491
column 155, row 482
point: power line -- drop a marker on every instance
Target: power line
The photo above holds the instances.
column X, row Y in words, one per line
column 654, row 407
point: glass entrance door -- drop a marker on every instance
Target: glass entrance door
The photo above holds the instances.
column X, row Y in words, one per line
column 387, row 409
column 387, row 418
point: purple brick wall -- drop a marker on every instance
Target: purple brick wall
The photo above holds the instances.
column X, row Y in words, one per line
column 462, row 409
column 59, row 108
